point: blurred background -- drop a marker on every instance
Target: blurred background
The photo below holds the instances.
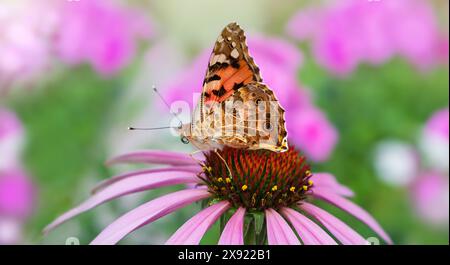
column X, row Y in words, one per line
column 364, row 83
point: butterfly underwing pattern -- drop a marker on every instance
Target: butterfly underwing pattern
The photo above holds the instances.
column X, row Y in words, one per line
column 236, row 108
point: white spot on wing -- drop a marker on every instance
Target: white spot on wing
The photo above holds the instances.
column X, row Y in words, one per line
column 234, row 53
column 213, row 60
column 221, row 58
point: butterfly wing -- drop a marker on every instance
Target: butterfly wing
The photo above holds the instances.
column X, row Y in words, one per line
column 254, row 119
column 230, row 67
column 232, row 75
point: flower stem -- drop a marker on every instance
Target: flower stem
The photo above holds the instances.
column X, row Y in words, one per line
column 255, row 232
column 254, row 227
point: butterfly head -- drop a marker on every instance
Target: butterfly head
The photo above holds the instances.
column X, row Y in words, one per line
column 184, row 130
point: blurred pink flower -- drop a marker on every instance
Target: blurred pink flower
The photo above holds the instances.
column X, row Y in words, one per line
column 314, row 133
column 347, row 33
column 101, row 33
column 16, row 204
column 437, row 125
column 425, row 173
column 16, row 194
column 431, row 198
column 282, row 214
column 434, row 141
column 16, row 189
column 415, row 20
column 187, row 83
column 279, row 62
column 442, row 49
column 430, row 192
column 11, row 139
column 306, row 18
column 25, row 40
column 9, row 124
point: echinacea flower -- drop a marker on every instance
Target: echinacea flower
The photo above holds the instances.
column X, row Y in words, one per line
column 279, row 62
column 276, row 191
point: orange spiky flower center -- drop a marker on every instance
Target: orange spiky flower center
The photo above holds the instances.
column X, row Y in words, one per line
column 257, row 179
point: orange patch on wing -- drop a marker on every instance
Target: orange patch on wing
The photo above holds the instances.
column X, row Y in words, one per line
column 221, row 89
column 240, row 76
column 248, row 80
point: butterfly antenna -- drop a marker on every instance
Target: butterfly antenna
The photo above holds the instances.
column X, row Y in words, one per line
column 168, row 106
column 151, row 129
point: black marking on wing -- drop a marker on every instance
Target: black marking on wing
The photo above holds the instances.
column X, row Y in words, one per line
column 236, row 86
column 212, row 78
column 218, row 66
column 235, row 64
column 219, row 93
column 257, row 71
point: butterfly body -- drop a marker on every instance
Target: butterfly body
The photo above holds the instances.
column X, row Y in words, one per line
column 235, row 108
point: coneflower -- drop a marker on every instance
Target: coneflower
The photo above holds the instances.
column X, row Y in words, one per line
column 259, row 196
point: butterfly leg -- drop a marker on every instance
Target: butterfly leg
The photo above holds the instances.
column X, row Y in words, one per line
column 201, row 163
column 195, row 159
column 208, row 168
column 225, row 162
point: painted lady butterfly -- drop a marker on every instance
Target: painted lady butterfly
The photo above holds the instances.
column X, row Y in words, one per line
column 235, row 108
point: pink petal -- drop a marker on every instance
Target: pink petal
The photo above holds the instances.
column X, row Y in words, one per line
column 233, row 233
column 109, row 181
column 309, row 232
column 339, row 229
column 147, row 213
column 326, row 180
column 124, row 187
column 278, row 230
column 193, row 230
column 154, row 157
column 352, row 209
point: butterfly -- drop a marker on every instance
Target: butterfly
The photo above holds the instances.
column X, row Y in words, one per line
column 236, row 108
